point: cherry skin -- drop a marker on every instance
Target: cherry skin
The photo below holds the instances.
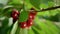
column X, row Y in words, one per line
column 29, row 22
column 23, row 24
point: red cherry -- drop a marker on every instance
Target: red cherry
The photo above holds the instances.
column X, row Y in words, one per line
column 31, row 16
column 23, row 24
column 14, row 12
column 15, row 15
column 29, row 22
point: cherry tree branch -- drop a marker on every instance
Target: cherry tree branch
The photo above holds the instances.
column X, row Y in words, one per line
column 51, row 8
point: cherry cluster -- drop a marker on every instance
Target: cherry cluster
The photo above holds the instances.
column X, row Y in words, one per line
column 29, row 21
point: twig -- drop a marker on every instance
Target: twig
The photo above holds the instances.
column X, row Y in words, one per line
column 51, row 8
column 43, row 10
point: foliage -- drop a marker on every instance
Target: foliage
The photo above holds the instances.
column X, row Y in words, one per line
column 44, row 22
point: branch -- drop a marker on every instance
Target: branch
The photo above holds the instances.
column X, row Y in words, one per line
column 51, row 8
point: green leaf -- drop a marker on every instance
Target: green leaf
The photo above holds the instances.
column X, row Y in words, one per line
column 23, row 16
column 48, row 27
column 15, row 2
column 28, row 4
column 4, row 27
column 18, row 30
column 23, row 31
column 6, row 7
column 42, row 25
column 52, row 26
column 7, row 11
column 36, row 31
column 5, row 22
column 30, row 31
column 35, row 3
column 50, row 4
column 15, row 26
column 46, row 1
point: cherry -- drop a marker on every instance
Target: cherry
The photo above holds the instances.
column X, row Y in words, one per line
column 29, row 22
column 14, row 14
column 26, row 24
column 23, row 24
column 31, row 16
